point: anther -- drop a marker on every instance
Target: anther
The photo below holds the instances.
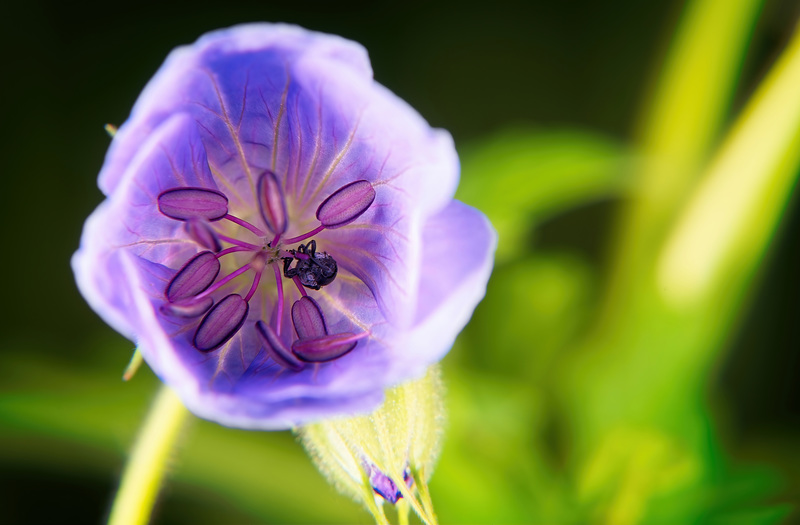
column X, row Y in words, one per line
column 185, row 204
column 194, row 277
column 308, row 319
column 276, row 349
column 221, row 323
column 342, row 207
column 346, row 204
column 202, row 234
column 271, row 203
column 326, row 347
column 188, row 308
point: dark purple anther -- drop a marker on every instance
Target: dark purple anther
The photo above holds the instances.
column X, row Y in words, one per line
column 276, row 349
column 325, row 348
column 308, row 319
column 346, row 204
column 271, row 203
column 202, row 234
column 188, row 308
column 221, row 323
column 195, row 276
column 184, row 204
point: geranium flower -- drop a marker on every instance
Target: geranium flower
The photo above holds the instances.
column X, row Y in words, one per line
column 279, row 235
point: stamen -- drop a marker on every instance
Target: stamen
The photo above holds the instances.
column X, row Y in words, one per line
column 194, row 277
column 274, row 241
column 271, row 203
column 245, row 224
column 346, row 204
column 232, row 249
column 327, row 347
column 202, row 234
column 308, row 319
column 293, row 254
column 189, row 308
column 237, row 242
column 254, row 286
column 280, row 296
column 221, row 323
column 300, row 286
column 305, row 235
column 185, row 204
column 276, row 349
column 341, row 208
column 219, row 284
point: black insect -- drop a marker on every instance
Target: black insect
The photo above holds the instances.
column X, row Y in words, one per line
column 313, row 269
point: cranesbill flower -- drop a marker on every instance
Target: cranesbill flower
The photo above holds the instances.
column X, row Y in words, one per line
column 279, row 235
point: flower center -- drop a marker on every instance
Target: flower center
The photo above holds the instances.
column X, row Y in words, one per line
column 196, row 288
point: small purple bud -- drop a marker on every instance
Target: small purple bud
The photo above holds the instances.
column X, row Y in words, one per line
column 202, row 234
column 221, row 323
column 308, row 319
column 184, row 204
column 325, row 348
column 346, row 204
column 276, row 349
column 189, row 308
column 382, row 484
column 195, row 276
column 271, row 203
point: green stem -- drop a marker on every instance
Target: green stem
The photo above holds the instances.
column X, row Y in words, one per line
column 402, row 512
column 146, row 466
column 411, row 499
column 133, row 366
column 369, row 500
column 424, row 492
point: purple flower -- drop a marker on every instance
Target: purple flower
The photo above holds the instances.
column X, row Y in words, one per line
column 279, row 235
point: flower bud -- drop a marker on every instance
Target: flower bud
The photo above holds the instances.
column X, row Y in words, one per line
column 395, row 447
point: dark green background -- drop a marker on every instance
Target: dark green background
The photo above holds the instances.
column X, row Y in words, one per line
column 473, row 69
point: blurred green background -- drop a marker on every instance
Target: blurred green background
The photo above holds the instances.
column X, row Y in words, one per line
column 578, row 394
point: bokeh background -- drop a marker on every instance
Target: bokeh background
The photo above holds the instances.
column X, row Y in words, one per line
column 574, row 396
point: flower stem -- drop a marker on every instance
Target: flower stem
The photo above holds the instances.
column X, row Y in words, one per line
column 133, row 366
column 423, row 514
column 424, row 492
column 369, row 500
column 146, row 466
column 402, row 512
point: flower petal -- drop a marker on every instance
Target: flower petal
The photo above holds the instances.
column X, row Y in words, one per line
column 165, row 93
column 448, row 293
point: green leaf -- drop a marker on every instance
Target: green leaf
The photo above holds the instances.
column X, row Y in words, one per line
column 521, row 176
